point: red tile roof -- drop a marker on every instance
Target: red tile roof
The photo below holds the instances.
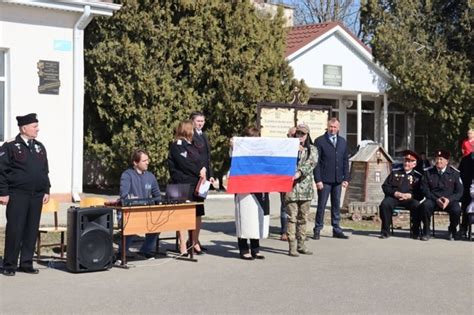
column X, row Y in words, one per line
column 300, row 36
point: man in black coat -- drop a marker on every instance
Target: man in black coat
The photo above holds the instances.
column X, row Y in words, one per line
column 443, row 190
column 201, row 141
column 24, row 188
column 466, row 169
column 402, row 188
column 331, row 174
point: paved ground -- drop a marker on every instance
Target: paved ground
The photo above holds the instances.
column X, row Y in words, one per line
column 361, row 275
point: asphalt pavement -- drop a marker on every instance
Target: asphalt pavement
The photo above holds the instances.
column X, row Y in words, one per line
column 362, row 275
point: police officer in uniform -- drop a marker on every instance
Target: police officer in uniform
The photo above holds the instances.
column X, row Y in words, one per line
column 443, row 189
column 402, row 188
column 24, row 187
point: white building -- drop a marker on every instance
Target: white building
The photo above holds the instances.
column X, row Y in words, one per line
column 42, row 71
column 340, row 72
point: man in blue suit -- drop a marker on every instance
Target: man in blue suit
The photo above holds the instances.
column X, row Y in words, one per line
column 331, row 174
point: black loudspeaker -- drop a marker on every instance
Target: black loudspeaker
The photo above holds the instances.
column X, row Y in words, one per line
column 89, row 239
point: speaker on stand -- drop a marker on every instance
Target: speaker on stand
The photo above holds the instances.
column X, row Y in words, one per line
column 89, row 239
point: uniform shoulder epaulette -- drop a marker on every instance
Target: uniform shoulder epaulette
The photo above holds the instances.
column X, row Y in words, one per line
column 10, row 140
column 417, row 173
column 429, row 168
column 455, row 169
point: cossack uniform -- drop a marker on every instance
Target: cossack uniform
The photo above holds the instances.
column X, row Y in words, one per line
column 436, row 184
column 403, row 182
column 24, row 179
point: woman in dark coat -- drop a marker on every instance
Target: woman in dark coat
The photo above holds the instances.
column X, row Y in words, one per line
column 186, row 167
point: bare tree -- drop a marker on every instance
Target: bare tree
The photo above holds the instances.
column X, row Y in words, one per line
column 320, row 11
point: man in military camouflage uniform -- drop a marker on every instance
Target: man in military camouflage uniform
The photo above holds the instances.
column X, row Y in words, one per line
column 298, row 201
column 24, row 187
column 402, row 188
column 443, row 190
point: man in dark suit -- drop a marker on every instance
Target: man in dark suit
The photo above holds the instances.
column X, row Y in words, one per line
column 331, row 174
column 466, row 168
column 201, row 141
column 24, row 188
column 402, row 188
column 442, row 188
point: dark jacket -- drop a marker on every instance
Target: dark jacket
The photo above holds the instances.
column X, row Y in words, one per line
column 201, row 142
column 184, row 163
column 333, row 162
column 22, row 170
column 448, row 185
column 466, row 169
column 403, row 182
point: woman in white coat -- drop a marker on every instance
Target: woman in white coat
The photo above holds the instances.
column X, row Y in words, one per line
column 251, row 216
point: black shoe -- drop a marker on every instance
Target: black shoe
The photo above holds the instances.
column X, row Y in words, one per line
column 384, row 235
column 146, row 255
column 257, row 255
column 340, row 235
column 316, row 236
column 30, row 270
column 246, row 256
column 8, row 272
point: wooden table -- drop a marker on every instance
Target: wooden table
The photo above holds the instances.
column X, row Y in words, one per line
column 155, row 219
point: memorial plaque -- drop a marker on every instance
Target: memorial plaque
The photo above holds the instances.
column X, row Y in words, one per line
column 316, row 120
column 275, row 122
column 48, row 73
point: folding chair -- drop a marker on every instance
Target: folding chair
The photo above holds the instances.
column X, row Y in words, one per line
column 51, row 207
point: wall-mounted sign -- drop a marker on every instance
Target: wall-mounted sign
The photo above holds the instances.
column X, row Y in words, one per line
column 332, row 75
column 48, row 73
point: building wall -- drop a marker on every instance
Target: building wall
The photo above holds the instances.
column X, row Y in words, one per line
column 358, row 75
column 29, row 34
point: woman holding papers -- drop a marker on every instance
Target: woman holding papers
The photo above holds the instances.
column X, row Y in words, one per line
column 251, row 216
column 298, row 201
column 186, row 167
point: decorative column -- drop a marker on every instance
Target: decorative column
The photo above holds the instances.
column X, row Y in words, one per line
column 359, row 118
column 385, row 122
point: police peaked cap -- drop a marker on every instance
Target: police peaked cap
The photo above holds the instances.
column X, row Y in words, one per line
column 409, row 154
column 27, row 119
column 443, row 154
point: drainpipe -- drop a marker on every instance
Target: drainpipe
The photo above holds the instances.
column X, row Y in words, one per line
column 78, row 102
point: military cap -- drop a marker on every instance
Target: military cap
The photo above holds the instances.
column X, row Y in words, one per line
column 443, row 154
column 302, row 128
column 410, row 155
column 27, row 119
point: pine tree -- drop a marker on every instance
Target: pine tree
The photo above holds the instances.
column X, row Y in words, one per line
column 427, row 46
column 154, row 62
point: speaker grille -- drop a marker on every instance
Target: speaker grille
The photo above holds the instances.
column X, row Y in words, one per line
column 95, row 247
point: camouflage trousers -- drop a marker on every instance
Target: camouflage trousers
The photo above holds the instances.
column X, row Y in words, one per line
column 297, row 211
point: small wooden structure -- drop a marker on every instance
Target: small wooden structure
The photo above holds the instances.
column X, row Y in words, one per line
column 369, row 168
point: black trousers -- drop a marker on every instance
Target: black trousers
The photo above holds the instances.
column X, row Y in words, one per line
column 386, row 209
column 244, row 245
column 430, row 206
column 23, row 217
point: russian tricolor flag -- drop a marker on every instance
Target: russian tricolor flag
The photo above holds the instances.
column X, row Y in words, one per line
column 262, row 164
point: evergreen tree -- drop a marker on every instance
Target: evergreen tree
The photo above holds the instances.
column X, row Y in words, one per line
column 154, row 62
column 427, row 46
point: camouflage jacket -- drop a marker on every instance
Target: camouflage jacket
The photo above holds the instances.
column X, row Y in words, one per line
column 303, row 186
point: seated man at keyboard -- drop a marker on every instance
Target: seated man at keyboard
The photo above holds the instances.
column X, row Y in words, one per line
column 402, row 188
column 137, row 182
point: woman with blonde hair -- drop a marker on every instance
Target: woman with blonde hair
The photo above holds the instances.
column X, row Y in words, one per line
column 186, row 167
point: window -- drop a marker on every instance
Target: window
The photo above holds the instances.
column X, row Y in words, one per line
column 3, row 89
